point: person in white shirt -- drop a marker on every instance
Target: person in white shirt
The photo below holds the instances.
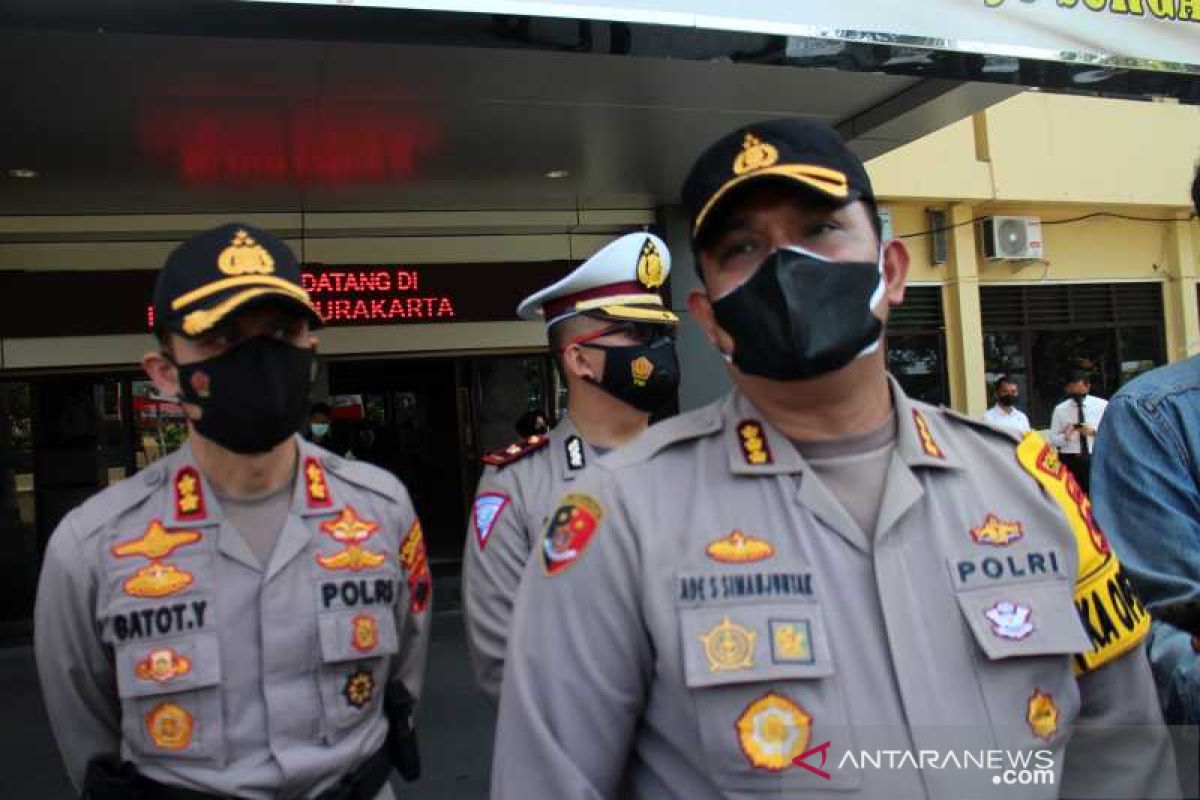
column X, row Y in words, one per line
column 1079, row 414
column 1005, row 414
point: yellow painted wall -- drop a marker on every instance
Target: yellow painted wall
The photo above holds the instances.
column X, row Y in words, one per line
column 1047, row 148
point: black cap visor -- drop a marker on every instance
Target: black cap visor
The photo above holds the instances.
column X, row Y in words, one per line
column 197, row 318
column 715, row 221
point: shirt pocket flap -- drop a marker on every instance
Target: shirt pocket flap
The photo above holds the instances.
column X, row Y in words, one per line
column 759, row 643
column 351, row 635
column 146, row 669
column 1024, row 619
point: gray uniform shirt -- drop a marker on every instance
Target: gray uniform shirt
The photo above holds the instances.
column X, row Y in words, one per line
column 260, row 519
column 161, row 639
column 704, row 613
column 507, row 517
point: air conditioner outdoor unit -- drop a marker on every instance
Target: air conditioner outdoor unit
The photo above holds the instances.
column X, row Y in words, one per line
column 1012, row 238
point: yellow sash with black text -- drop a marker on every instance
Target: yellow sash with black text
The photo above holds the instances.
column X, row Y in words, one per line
column 1112, row 615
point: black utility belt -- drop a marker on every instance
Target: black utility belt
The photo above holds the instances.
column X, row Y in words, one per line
column 104, row 782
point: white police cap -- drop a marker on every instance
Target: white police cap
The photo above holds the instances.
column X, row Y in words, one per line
column 620, row 282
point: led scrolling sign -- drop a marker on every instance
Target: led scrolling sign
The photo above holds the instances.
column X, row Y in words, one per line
column 344, row 295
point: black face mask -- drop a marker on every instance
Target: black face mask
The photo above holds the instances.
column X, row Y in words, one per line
column 1006, row 400
column 644, row 376
column 801, row 316
column 252, row 396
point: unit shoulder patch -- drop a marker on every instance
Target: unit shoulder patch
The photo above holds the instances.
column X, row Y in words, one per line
column 485, row 512
column 1109, row 609
column 515, row 451
column 571, row 529
column 415, row 561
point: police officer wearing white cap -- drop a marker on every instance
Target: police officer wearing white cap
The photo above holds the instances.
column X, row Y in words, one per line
column 612, row 338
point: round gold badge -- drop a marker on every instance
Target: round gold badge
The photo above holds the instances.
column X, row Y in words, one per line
column 170, row 726
column 772, row 731
column 729, row 647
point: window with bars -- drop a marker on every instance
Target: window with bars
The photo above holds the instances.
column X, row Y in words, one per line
column 916, row 345
column 1038, row 334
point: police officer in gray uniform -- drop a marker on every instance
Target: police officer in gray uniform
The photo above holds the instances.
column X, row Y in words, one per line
column 612, row 338
column 234, row 620
column 817, row 586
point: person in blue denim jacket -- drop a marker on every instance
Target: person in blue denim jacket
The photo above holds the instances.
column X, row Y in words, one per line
column 1146, row 493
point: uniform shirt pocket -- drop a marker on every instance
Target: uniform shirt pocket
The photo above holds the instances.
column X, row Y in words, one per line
column 766, row 690
column 1027, row 634
column 171, row 698
column 355, row 646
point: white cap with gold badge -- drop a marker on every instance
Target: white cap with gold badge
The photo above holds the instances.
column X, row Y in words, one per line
column 620, row 282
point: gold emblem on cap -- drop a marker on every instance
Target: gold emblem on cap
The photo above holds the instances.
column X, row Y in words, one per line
column 650, row 271
column 756, row 154
column 244, row 256
column 729, row 647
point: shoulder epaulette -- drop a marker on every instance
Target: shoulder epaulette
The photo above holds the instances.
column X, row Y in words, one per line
column 981, row 425
column 703, row 421
column 362, row 474
column 515, row 451
column 120, row 497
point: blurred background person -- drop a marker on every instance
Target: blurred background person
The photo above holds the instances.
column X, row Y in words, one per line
column 1074, row 424
column 532, row 423
column 324, row 432
column 1005, row 414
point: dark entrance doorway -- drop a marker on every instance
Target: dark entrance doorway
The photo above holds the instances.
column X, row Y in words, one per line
column 410, row 427
column 428, row 421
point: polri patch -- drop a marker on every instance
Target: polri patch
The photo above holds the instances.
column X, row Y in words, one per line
column 485, row 512
column 570, row 531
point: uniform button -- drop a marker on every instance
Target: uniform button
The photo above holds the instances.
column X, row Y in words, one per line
column 153, row 476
